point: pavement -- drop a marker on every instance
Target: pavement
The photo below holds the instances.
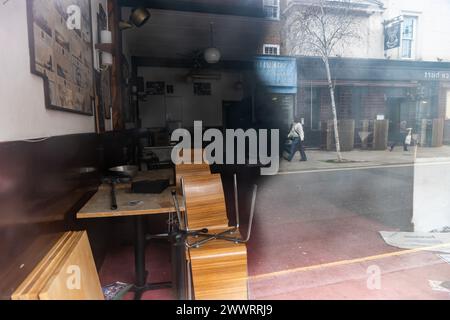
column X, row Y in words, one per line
column 317, row 159
column 316, row 236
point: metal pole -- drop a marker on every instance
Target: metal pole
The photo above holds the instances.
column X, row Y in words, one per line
column 236, row 201
column 139, row 256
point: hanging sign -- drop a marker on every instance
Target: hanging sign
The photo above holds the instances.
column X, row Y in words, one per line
column 392, row 36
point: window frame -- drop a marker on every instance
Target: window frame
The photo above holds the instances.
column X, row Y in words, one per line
column 272, row 46
column 413, row 41
column 277, row 6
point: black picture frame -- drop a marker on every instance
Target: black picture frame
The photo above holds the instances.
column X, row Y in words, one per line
column 87, row 108
column 202, row 89
column 155, row 88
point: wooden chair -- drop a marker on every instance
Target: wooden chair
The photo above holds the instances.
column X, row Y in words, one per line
column 232, row 233
column 217, row 263
column 204, row 202
column 185, row 170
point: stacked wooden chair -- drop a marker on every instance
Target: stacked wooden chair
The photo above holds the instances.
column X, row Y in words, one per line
column 216, row 254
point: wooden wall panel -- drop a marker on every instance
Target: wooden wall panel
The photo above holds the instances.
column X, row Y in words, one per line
column 437, row 139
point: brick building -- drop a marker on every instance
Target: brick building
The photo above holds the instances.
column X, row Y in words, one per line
column 407, row 83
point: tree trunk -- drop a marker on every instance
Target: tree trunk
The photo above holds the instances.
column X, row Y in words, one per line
column 333, row 108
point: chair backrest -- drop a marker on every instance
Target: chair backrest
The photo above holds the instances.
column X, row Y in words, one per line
column 205, row 202
column 189, row 169
column 184, row 170
column 190, row 156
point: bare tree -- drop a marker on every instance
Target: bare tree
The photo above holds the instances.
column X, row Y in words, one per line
column 322, row 28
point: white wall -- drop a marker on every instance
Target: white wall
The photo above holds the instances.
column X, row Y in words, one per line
column 433, row 30
column 433, row 26
column 205, row 108
column 370, row 32
column 22, row 108
column 370, row 45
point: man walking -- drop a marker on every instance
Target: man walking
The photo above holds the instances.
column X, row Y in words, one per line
column 403, row 134
column 297, row 137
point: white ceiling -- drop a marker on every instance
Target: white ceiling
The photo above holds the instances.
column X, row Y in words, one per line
column 172, row 34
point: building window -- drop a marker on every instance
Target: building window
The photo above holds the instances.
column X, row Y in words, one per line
column 271, row 9
column 271, row 49
column 408, row 37
column 447, row 106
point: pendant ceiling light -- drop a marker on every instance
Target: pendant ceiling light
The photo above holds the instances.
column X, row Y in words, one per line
column 212, row 54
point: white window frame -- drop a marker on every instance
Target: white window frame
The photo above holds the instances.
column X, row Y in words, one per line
column 272, row 4
column 271, row 46
column 414, row 38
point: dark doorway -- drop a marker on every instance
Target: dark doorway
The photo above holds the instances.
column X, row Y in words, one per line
column 311, row 118
column 394, row 115
column 237, row 114
column 275, row 111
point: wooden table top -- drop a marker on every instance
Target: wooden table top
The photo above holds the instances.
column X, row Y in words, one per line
column 99, row 206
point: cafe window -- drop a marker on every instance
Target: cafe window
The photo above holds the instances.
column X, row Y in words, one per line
column 408, row 37
column 271, row 9
column 271, row 49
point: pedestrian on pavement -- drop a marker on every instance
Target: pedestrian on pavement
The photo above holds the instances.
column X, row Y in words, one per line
column 402, row 136
column 297, row 137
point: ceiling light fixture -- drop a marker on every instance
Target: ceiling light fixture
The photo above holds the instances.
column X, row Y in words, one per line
column 212, row 54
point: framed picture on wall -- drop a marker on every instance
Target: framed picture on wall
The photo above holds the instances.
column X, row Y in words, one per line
column 62, row 53
column 156, row 88
column 170, row 89
column 202, row 88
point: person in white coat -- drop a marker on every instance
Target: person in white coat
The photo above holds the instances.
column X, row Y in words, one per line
column 297, row 137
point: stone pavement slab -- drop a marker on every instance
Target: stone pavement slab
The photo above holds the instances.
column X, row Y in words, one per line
column 320, row 160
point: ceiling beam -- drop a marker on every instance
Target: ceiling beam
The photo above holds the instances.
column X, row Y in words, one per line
column 188, row 64
column 254, row 9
